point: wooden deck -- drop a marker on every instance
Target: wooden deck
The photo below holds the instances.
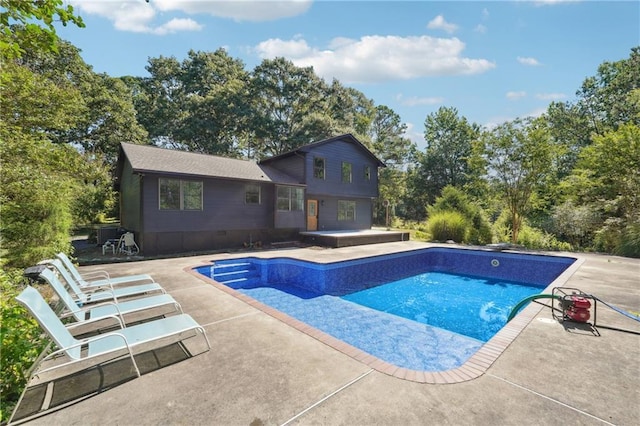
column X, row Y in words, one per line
column 337, row 239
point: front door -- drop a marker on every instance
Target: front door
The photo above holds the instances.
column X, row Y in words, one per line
column 312, row 215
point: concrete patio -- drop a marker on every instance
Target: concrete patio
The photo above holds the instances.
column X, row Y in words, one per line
column 261, row 371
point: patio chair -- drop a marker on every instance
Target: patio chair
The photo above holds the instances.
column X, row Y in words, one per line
column 110, row 345
column 105, row 293
column 99, row 278
column 127, row 244
column 83, row 315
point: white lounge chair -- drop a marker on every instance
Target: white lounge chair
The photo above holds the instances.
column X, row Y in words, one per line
column 112, row 345
column 83, row 315
column 106, row 293
column 99, row 278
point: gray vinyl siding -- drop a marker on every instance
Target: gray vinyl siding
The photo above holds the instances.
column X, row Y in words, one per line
column 334, row 155
column 328, row 214
column 224, row 208
column 293, row 166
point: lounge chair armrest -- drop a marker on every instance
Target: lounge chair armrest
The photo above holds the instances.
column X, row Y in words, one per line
column 92, row 320
column 86, row 341
column 101, row 273
column 81, row 301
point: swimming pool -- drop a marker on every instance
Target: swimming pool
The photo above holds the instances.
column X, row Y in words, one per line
column 318, row 295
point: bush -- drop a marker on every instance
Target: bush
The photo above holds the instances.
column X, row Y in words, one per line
column 630, row 243
column 576, row 224
column 621, row 241
column 536, row 239
column 21, row 343
column 448, row 225
column 452, row 199
column 529, row 237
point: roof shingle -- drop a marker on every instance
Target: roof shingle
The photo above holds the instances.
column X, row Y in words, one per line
column 151, row 159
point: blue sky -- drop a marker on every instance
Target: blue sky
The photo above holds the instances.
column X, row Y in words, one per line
column 493, row 61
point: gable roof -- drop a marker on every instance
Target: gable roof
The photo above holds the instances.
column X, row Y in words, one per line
column 347, row 137
column 152, row 159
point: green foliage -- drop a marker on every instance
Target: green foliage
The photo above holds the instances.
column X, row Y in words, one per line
column 36, row 195
column 453, row 199
column 529, row 237
column 21, row 342
column 518, row 156
column 575, row 224
column 446, row 160
column 448, row 225
column 19, row 25
column 630, row 241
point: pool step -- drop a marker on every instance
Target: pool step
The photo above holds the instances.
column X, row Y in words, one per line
column 242, row 282
column 228, row 267
column 236, row 275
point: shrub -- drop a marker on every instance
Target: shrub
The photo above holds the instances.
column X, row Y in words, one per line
column 452, row 199
column 630, row 241
column 448, row 225
column 529, row 237
column 576, row 224
column 21, row 343
column 536, row 239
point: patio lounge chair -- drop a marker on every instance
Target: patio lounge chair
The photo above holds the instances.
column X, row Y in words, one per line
column 83, row 315
column 99, row 278
column 102, row 294
column 108, row 345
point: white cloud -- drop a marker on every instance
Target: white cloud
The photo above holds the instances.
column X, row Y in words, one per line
column 415, row 136
column 550, row 96
column 415, row 100
column 485, row 13
column 528, row 61
column 378, row 58
column 177, row 25
column 514, row 96
column 536, row 112
column 141, row 17
column 438, row 23
column 480, row 29
column 239, row 10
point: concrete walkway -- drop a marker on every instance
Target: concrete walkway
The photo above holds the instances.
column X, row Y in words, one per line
column 264, row 372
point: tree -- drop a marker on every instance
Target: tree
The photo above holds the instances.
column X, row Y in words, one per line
column 215, row 103
column 518, row 157
column 389, row 144
column 21, row 32
column 200, row 104
column 283, row 95
column 446, row 158
column 607, row 178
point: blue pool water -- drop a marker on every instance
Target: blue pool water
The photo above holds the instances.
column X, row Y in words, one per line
column 426, row 310
column 472, row 306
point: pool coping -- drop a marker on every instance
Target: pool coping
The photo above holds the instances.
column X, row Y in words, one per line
column 471, row 369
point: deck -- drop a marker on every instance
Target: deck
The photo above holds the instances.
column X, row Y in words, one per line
column 337, row 239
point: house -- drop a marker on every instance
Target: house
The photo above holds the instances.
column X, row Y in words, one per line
column 176, row 201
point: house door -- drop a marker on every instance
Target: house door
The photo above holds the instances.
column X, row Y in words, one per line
column 312, row 215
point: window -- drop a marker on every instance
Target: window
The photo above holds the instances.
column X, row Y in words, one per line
column 367, row 173
column 290, row 198
column 346, row 172
column 318, row 168
column 346, row 210
column 252, row 194
column 178, row 194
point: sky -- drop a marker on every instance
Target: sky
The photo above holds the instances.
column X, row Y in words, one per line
column 493, row 61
